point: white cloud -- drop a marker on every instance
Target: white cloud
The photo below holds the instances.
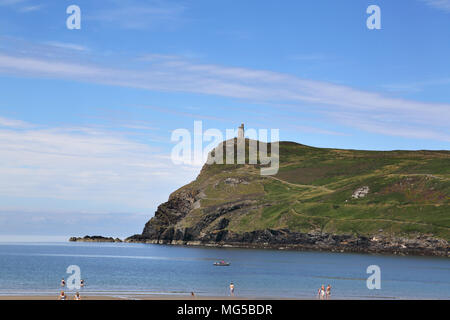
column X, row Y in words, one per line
column 11, row 2
column 70, row 46
column 417, row 85
column 439, row 4
column 99, row 168
column 173, row 74
column 5, row 122
column 23, row 6
column 315, row 130
column 33, row 66
column 307, row 57
column 382, row 125
column 31, row 8
column 136, row 15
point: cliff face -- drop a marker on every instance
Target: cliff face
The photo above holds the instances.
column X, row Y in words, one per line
column 162, row 226
column 163, row 229
column 311, row 204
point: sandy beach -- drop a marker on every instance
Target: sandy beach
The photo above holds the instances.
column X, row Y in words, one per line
column 130, row 297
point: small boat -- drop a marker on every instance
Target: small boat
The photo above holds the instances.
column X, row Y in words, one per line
column 221, row 264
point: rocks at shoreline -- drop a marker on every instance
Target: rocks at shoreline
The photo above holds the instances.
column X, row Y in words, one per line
column 94, row 239
column 285, row 239
column 212, row 230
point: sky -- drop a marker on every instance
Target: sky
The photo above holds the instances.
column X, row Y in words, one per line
column 86, row 115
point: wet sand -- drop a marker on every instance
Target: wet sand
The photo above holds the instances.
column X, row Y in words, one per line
column 130, row 297
column 56, row 298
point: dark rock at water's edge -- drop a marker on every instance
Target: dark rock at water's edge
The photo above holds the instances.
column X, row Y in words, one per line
column 284, row 239
column 94, row 239
column 161, row 229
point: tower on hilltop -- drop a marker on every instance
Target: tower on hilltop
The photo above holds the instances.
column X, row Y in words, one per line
column 241, row 131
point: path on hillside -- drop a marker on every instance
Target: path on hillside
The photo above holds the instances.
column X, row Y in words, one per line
column 325, row 189
column 373, row 219
column 440, row 177
column 344, row 181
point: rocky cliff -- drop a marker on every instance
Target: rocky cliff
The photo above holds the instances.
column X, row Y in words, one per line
column 402, row 205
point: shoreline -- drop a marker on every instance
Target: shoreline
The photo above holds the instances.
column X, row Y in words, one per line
column 146, row 296
column 298, row 247
column 177, row 297
column 181, row 297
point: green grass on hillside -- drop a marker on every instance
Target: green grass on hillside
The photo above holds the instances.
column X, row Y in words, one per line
column 409, row 192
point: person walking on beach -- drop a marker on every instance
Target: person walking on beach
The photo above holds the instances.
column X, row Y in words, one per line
column 63, row 282
column 77, row 296
column 232, row 289
column 328, row 292
column 62, row 296
column 321, row 292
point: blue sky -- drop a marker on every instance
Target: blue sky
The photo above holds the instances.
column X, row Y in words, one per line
column 86, row 115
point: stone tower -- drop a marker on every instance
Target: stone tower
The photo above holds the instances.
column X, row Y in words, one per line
column 241, row 131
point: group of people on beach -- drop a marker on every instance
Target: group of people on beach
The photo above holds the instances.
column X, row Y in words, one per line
column 62, row 295
column 231, row 291
column 323, row 293
column 63, row 283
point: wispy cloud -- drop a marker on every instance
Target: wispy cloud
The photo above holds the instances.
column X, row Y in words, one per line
column 130, row 14
column 102, row 168
column 11, row 2
column 21, row 5
column 439, row 4
column 175, row 74
column 416, row 86
column 196, row 116
column 31, row 8
column 315, row 130
column 307, row 57
column 65, row 45
column 12, row 123
column 385, row 125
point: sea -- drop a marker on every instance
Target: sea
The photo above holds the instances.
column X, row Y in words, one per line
column 129, row 270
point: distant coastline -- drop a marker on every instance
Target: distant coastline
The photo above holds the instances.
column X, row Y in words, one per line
column 326, row 243
column 315, row 242
column 94, row 239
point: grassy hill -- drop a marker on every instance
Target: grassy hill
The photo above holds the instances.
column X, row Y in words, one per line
column 408, row 196
column 409, row 192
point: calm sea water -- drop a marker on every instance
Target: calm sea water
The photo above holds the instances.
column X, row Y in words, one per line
column 123, row 269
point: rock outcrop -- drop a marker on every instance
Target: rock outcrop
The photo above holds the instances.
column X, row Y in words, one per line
column 94, row 239
column 162, row 229
column 360, row 192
